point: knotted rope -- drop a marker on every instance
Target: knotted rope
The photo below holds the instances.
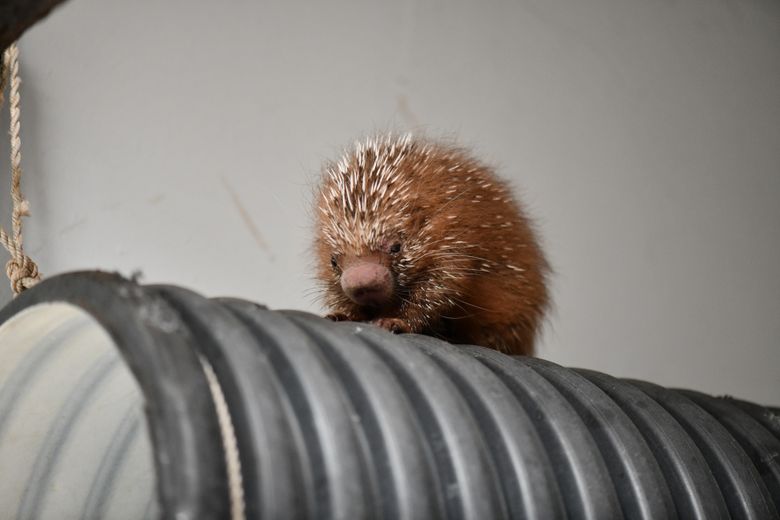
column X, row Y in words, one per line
column 21, row 270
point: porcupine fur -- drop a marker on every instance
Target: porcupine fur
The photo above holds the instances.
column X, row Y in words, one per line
column 463, row 259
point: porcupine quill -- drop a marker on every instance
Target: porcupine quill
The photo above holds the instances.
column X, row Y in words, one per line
column 417, row 235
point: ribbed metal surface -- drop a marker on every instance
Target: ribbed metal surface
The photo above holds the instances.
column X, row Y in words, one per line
column 72, row 441
column 342, row 420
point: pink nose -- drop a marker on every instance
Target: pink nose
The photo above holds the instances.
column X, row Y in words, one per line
column 367, row 283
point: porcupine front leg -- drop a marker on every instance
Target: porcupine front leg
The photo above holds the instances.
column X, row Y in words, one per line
column 412, row 318
column 346, row 316
column 394, row 325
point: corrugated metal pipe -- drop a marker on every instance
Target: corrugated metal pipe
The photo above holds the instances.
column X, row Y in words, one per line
column 111, row 406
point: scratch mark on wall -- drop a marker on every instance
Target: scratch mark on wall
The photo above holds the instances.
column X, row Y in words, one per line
column 244, row 214
column 406, row 112
column 111, row 206
column 74, row 225
column 156, row 199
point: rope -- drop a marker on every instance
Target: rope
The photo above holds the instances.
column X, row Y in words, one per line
column 21, row 270
column 229, row 444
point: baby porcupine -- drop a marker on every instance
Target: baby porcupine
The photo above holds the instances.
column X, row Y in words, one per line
column 416, row 235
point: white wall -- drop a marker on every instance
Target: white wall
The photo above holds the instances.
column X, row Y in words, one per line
column 645, row 136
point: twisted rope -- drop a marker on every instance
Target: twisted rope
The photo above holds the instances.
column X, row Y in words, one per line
column 229, row 444
column 21, row 270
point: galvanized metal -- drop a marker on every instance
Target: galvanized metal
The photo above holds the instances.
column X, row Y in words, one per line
column 342, row 421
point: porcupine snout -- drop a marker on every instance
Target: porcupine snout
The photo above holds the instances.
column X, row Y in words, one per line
column 367, row 282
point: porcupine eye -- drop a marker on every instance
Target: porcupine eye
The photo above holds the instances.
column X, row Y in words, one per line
column 395, row 248
column 333, row 262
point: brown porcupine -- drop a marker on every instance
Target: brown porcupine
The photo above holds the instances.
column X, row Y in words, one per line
column 415, row 235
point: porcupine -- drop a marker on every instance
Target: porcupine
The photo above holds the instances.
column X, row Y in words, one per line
column 416, row 235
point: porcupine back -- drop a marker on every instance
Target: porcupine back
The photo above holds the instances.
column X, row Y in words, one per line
column 470, row 269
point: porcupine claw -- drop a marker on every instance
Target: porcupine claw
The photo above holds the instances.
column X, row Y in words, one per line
column 394, row 325
column 337, row 316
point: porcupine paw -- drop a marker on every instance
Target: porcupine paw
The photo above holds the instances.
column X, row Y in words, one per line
column 337, row 316
column 394, row 325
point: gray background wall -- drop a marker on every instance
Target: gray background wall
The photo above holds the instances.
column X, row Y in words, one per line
column 643, row 134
